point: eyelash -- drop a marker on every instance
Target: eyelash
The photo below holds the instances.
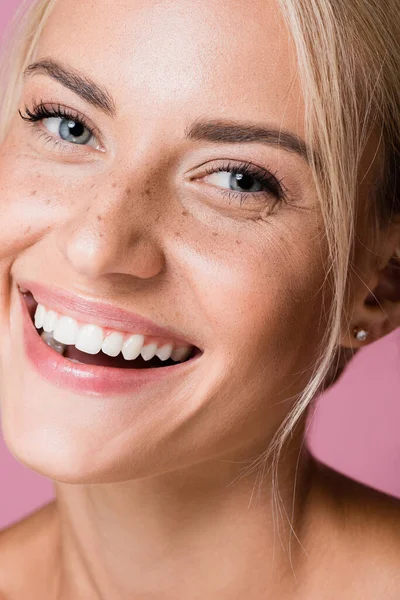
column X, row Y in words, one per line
column 40, row 112
column 268, row 180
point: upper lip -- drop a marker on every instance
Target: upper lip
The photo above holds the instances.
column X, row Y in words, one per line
column 98, row 313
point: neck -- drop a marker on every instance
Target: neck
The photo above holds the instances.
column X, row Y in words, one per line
column 208, row 528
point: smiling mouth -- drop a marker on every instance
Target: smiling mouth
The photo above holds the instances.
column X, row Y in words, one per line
column 71, row 353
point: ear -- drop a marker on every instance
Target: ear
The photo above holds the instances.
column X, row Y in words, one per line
column 375, row 297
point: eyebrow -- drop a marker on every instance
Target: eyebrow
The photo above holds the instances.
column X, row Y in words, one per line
column 234, row 132
column 215, row 130
column 83, row 86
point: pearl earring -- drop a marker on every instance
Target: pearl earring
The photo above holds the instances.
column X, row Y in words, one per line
column 360, row 334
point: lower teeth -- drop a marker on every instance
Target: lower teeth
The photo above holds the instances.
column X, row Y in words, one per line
column 57, row 346
column 50, row 341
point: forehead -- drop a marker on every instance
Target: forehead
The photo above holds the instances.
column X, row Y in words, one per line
column 226, row 58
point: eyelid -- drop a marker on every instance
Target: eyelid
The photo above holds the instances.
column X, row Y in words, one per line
column 66, row 148
column 66, row 112
column 264, row 174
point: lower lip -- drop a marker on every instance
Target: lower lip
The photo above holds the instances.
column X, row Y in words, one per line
column 89, row 379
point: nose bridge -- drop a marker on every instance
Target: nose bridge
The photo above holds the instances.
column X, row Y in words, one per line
column 113, row 233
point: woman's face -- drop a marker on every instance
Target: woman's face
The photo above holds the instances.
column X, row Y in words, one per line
column 159, row 189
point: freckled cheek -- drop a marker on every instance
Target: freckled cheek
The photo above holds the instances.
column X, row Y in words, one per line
column 29, row 205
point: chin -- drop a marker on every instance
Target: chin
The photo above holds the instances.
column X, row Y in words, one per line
column 66, row 459
column 68, row 449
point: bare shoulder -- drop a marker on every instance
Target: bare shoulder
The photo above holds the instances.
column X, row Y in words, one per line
column 27, row 550
column 366, row 535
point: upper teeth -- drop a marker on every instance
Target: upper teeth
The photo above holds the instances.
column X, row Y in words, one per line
column 92, row 339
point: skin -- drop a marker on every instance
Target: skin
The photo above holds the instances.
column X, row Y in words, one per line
column 142, row 224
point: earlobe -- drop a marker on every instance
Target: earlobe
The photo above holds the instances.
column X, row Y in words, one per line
column 376, row 311
column 356, row 337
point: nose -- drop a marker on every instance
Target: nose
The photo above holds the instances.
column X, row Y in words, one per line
column 111, row 233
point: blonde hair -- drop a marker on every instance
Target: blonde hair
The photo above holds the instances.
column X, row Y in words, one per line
column 348, row 57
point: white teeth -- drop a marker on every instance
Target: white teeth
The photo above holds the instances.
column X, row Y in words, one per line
column 50, row 341
column 164, row 352
column 149, row 351
column 49, row 321
column 66, row 330
column 180, row 353
column 132, row 346
column 60, row 331
column 90, row 339
column 112, row 344
column 39, row 316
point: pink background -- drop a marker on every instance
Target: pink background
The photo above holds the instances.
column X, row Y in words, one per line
column 355, row 427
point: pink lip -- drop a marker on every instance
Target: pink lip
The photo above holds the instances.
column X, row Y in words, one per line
column 99, row 313
column 90, row 379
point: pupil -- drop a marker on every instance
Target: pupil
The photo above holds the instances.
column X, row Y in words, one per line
column 76, row 129
column 244, row 181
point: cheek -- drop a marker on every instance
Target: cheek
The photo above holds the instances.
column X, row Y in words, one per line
column 25, row 203
column 264, row 301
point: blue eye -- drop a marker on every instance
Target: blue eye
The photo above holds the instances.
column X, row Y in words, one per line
column 246, row 180
column 69, row 130
column 63, row 125
column 238, row 182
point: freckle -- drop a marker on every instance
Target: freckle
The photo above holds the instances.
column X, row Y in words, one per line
column 238, row 242
column 128, row 191
column 215, row 234
column 177, row 234
column 33, row 193
column 99, row 218
column 184, row 213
